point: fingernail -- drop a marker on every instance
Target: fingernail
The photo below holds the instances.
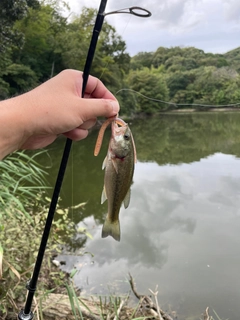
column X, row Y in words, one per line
column 115, row 106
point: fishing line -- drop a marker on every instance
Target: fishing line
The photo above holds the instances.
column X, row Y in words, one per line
column 179, row 104
column 134, row 10
column 115, row 47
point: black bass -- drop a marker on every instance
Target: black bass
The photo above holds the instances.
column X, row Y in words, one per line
column 119, row 168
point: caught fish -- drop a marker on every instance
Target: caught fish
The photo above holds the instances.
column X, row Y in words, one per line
column 119, row 168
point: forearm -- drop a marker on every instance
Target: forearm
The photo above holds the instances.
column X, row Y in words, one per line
column 12, row 125
column 35, row 119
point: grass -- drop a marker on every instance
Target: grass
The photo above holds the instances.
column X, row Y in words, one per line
column 23, row 210
column 109, row 307
column 115, row 308
column 22, row 179
column 217, row 316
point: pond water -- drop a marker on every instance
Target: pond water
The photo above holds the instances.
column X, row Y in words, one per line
column 182, row 228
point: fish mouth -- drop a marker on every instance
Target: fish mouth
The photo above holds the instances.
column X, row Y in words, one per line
column 118, row 126
column 114, row 125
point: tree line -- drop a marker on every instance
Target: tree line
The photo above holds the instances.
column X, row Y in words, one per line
column 37, row 41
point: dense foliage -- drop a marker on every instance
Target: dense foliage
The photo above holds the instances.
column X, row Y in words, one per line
column 41, row 42
column 38, row 41
column 189, row 75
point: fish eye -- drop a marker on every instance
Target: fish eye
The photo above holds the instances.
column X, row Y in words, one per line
column 126, row 136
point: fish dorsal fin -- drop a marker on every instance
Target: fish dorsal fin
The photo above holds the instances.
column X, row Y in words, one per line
column 126, row 200
column 104, row 195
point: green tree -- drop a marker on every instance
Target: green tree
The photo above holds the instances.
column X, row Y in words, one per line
column 177, row 63
column 52, row 44
column 147, row 84
column 19, row 78
column 11, row 11
column 141, row 60
column 41, row 28
column 176, row 81
column 233, row 58
column 111, row 61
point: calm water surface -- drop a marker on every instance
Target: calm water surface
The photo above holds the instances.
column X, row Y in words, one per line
column 182, row 228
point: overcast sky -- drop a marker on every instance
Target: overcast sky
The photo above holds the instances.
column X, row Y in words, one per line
column 211, row 25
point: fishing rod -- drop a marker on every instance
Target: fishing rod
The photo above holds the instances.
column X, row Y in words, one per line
column 26, row 313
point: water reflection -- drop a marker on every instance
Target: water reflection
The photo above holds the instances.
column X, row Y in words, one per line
column 181, row 230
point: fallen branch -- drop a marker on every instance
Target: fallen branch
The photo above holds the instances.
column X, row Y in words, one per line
column 147, row 304
column 156, row 300
column 206, row 315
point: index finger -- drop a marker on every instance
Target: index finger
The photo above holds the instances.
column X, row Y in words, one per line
column 96, row 89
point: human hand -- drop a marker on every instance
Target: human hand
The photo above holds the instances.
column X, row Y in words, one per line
column 36, row 118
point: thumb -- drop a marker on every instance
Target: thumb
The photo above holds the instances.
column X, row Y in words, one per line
column 94, row 108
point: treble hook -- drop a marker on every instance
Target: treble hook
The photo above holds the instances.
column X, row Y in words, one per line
column 132, row 10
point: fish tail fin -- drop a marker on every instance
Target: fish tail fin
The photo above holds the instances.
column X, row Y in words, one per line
column 111, row 229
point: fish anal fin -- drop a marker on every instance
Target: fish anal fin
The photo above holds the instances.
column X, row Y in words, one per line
column 126, row 200
column 104, row 195
column 111, row 229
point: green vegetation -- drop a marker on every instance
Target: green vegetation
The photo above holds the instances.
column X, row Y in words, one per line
column 40, row 42
column 24, row 207
column 37, row 42
column 187, row 76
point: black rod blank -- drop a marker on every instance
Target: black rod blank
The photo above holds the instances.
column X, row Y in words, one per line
column 26, row 313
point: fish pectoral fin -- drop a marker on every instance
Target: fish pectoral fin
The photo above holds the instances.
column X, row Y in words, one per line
column 104, row 195
column 111, row 228
column 126, row 200
column 104, row 163
column 114, row 163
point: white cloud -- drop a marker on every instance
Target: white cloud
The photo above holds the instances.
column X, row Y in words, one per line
column 232, row 10
column 209, row 25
